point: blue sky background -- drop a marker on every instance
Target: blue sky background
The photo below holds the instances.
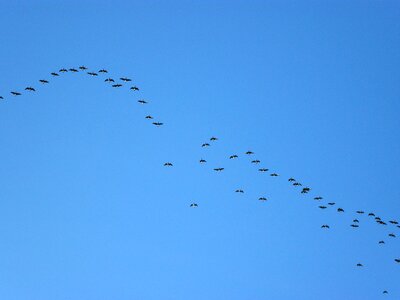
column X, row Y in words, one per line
column 87, row 210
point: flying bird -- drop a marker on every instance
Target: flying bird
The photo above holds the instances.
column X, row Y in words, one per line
column 29, row 88
column 219, row 169
column 397, row 260
column 239, row 191
column 392, row 235
column 305, row 190
column 256, row 161
column 158, row 123
column 325, row 226
column 359, row 212
column 149, row 117
column 371, row 215
column 168, row 164
column 394, row 222
column 318, row 198
column 92, row 73
column 16, row 93
column 202, row 161
column 385, row 292
column 359, row 265
column 1, row 97
column 109, row 80
column 193, row 205
column 291, row 179
column 205, row 145
column 117, row 85
column 213, row 138
column 82, row 68
column 73, row 70
column 340, row 209
column 43, row 81
column 354, row 225
column 297, row 184
column 274, row 175
column 125, row 79
column 262, row 199
column 63, row 70
column 263, row 170
column 103, row 71
column 356, row 221
column 54, row 74
column 249, row 152
column 322, row 207
column 134, row 88
column 142, row 101
column 381, row 242
column 233, row 156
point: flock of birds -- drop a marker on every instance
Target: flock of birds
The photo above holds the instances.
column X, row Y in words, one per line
column 303, row 190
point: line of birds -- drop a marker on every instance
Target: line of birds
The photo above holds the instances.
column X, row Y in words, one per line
column 291, row 180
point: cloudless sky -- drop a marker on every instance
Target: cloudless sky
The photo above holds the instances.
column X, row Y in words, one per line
column 87, row 210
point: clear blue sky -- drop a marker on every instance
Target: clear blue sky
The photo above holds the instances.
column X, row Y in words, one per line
column 87, row 210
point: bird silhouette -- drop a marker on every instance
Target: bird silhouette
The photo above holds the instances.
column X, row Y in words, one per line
column 54, row 74
column 82, row 68
column 385, row 292
column 149, row 117
column 359, row 265
column 263, row 170
column 291, row 179
column 354, row 225
column 157, row 123
column 297, row 184
column 322, row 207
column 168, row 164
column 249, row 153
column 359, row 212
column 43, row 81
column 381, row 242
column 117, row 85
column 219, row 169
column 205, row 145
column 392, row 235
column 92, row 73
column 371, row 215
column 63, row 70
column 340, row 209
column 125, row 79
column 233, row 156
column 109, row 80
column 142, row 101
column 1, row 97
column 397, row 260
column 356, row 221
column 256, row 161
column 325, row 226
column 202, row 161
column 274, row 174
column 305, row 190
column 318, row 198
column 262, row 199
column 193, row 205
column 16, row 93
column 134, row 88
column 103, row 71
column 29, row 88
column 73, row 70
column 213, row 138
column 331, row 203
column 239, row 191
column 394, row 222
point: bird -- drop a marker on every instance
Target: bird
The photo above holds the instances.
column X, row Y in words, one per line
column 297, row 184
column 305, row 190
column 397, row 260
column 202, row 161
column 256, row 161
column 263, row 170
column 125, row 79
column 134, row 88
column 392, row 235
column 82, row 68
column 103, row 71
column 340, row 209
column 331, row 203
column 381, row 242
column 262, row 199
column 157, row 123
column 371, row 215
column 54, row 74
column 354, row 225
column 318, row 198
column 213, row 138
column 109, row 80
column 168, row 164
column 73, row 70
column 381, row 222
column 377, row 218
column 63, row 70
column 142, row 101
column 29, row 88
column 325, row 226
column 356, row 221
column 239, row 191
column 219, row 169
column 16, row 93
column 398, row 226
column 274, row 174
column 359, row 212
column 92, row 73
column 385, row 292
column 249, row 152
column 394, row 222
column 43, row 81
column 149, row 117
column 193, row 205
column 233, row 156
column 322, row 207
column 359, row 265
column 291, row 179
column 205, row 145
column 117, row 85
column 1, row 97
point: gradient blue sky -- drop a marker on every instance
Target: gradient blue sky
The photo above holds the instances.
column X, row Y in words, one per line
column 87, row 210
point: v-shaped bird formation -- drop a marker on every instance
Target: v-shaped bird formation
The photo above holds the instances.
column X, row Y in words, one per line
column 123, row 81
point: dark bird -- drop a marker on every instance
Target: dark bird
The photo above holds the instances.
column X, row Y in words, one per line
column 297, row 184
column 325, row 226
column 213, row 138
column 249, row 152
column 305, row 190
column 239, row 191
column 149, row 117
column 193, row 205
column 63, row 70
column 92, row 73
column 392, row 235
column 134, row 88
column 109, row 80
column 398, row 226
column 125, row 79
column 219, row 169
column 291, row 179
column 371, row 215
column 356, row 221
column 331, row 203
column 381, row 222
column 205, row 145
column 117, row 85
column 168, row 164
column 262, row 199
column 318, row 198
column 29, row 88
column 322, row 207
column 103, row 71
column 82, row 68
column 233, row 156
column 359, row 265
column 340, row 209
column 255, row 161
column 54, row 74
column 354, row 225
column 158, row 123
column 397, row 260
column 274, row 174
column 394, row 222
column 73, row 70
column 142, row 101
column 1, row 97
column 202, row 161
column 381, row 242
column 43, row 81
column 385, row 292
column 377, row 218
column 16, row 93
column 263, row 170
column 359, row 212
